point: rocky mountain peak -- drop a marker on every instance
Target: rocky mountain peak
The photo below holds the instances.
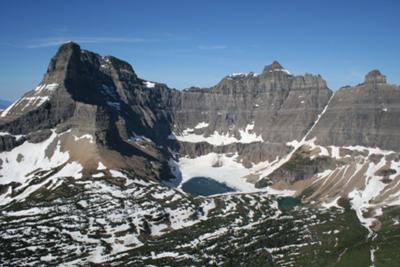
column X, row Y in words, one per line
column 63, row 59
column 275, row 66
column 78, row 87
column 71, row 62
column 275, row 73
column 375, row 76
column 68, row 47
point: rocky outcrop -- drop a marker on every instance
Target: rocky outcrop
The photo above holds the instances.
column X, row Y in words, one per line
column 8, row 142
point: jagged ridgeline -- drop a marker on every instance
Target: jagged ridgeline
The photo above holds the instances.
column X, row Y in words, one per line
column 94, row 159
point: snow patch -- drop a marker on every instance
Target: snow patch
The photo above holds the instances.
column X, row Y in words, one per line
column 331, row 204
column 48, row 87
column 72, row 169
column 201, row 125
column 17, row 136
column 101, row 166
column 282, row 70
column 117, row 174
column 136, row 138
column 246, row 136
column 85, row 136
column 149, row 84
column 241, row 74
column 19, row 162
column 219, row 167
column 35, row 100
column 361, row 198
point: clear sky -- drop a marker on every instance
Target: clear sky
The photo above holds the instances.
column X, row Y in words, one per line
column 184, row 43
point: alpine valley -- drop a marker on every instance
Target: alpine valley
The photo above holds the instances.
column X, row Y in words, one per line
column 101, row 167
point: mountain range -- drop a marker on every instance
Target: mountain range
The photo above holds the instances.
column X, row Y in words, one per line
column 94, row 160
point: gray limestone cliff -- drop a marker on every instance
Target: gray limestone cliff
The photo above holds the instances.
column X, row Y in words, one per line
column 367, row 115
column 281, row 106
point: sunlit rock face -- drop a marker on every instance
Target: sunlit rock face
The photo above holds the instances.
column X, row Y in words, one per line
column 266, row 110
column 367, row 115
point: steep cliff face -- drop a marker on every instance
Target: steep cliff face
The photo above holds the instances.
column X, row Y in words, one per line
column 366, row 115
column 271, row 109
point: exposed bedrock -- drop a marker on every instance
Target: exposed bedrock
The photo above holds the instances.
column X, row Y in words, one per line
column 282, row 108
column 367, row 115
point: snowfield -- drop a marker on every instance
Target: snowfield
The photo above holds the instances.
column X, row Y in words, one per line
column 217, row 139
column 219, row 167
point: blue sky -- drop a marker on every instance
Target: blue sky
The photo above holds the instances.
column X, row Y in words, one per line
column 184, row 43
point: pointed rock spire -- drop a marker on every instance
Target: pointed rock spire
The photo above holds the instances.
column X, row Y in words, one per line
column 273, row 67
column 67, row 57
